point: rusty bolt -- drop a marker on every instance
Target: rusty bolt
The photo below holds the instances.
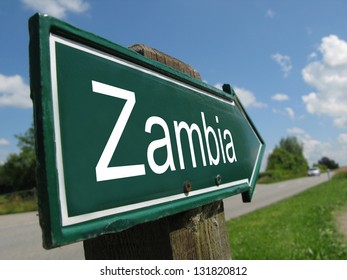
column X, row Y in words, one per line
column 187, row 186
column 218, row 180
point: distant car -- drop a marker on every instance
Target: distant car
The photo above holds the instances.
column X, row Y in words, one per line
column 313, row 171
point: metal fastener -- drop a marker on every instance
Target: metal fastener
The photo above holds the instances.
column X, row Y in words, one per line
column 187, row 186
column 218, row 180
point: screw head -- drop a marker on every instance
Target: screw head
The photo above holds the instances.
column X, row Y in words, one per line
column 218, row 180
column 187, row 186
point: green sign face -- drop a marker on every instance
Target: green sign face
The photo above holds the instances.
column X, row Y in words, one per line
column 123, row 140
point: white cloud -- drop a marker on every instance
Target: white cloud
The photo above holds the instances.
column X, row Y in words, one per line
column 4, row 142
column 334, row 50
column 313, row 148
column 14, row 92
column 290, row 112
column 329, row 77
column 287, row 112
column 57, row 8
column 247, row 98
column 343, row 138
column 284, row 62
column 340, row 122
column 296, row 130
column 280, row 97
column 312, row 55
column 219, row 86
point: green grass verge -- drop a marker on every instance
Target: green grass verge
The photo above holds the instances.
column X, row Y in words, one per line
column 10, row 204
column 275, row 176
column 302, row 227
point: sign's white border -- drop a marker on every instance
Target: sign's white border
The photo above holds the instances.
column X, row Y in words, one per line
column 71, row 220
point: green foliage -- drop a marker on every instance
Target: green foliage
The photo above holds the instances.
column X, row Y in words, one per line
column 18, row 202
column 286, row 161
column 18, row 172
column 328, row 163
column 321, row 167
column 302, row 227
column 4, row 187
column 291, row 145
column 273, row 176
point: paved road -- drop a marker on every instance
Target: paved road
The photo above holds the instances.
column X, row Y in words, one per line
column 20, row 234
column 20, row 238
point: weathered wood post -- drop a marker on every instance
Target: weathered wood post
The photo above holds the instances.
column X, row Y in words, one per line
column 199, row 233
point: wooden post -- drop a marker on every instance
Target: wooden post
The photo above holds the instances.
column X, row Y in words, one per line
column 199, row 233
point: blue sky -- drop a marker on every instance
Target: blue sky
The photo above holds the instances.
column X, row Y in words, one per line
column 286, row 60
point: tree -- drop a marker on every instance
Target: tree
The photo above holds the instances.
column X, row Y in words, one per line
column 329, row 163
column 18, row 172
column 280, row 159
column 291, row 145
column 288, row 157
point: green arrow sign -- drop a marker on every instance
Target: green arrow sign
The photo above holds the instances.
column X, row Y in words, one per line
column 122, row 140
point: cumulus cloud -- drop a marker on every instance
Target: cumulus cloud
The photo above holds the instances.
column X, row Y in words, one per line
column 284, row 62
column 280, row 97
column 313, row 148
column 247, row 97
column 57, row 8
column 14, row 92
column 329, row 77
column 334, row 51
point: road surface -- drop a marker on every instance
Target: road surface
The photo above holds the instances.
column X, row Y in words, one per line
column 20, row 234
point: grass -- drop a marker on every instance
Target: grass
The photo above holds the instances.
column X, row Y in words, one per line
column 17, row 203
column 302, row 227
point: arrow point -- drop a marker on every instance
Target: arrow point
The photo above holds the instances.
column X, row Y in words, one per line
column 246, row 196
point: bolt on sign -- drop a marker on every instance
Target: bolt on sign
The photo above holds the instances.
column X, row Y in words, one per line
column 123, row 140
